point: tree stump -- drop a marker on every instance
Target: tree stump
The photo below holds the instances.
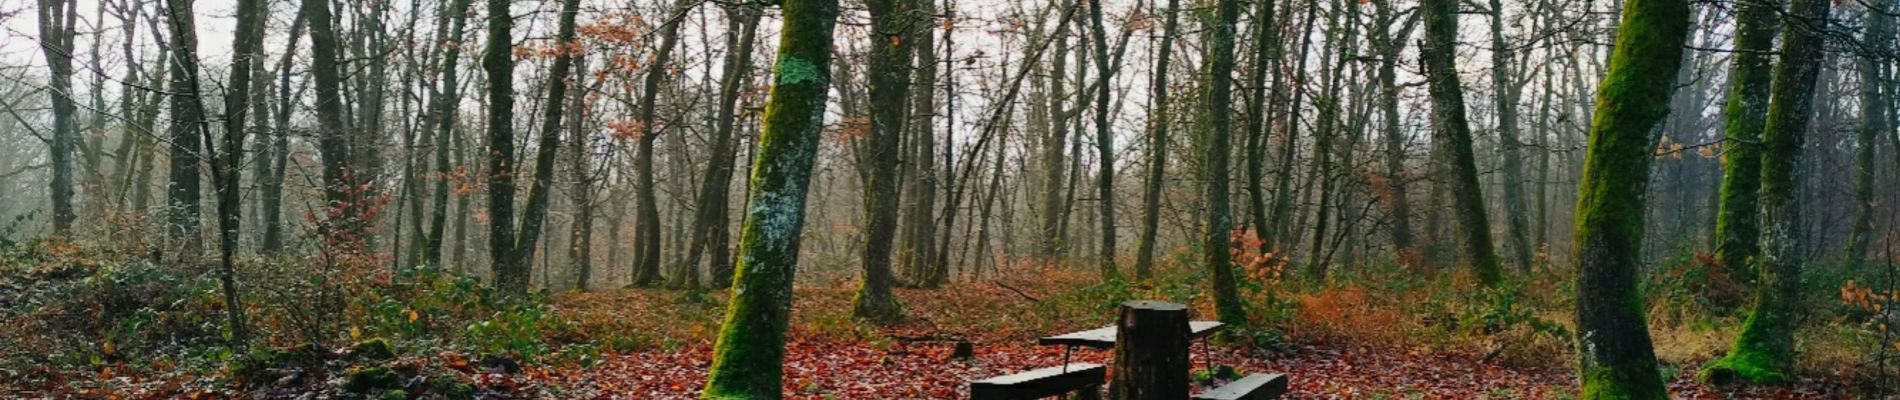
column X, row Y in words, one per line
column 1151, row 352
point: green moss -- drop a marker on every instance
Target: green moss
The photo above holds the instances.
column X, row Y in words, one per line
column 450, row 386
column 1748, row 366
column 365, row 379
column 393, row 394
column 373, row 349
column 1620, row 383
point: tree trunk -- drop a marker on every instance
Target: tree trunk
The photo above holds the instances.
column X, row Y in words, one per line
column 1617, row 359
column 1450, row 129
column 442, row 112
column 1764, row 351
column 1151, row 360
column 1873, row 106
column 1158, row 125
column 646, row 234
column 188, row 131
column 1215, row 236
column 58, row 24
column 709, row 222
column 1397, row 181
column 535, row 212
column 748, row 358
column 1504, row 96
column 1104, row 143
column 889, row 69
column 339, row 195
column 511, row 274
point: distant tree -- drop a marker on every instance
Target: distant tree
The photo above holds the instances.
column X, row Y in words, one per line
column 748, row 361
column 1158, row 146
column 1874, row 122
column 59, row 21
column 889, row 67
column 510, row 275
column 709, row 232
column 1216, row 234
column 646, row 235
column 1764, row 351
column 1450, row 130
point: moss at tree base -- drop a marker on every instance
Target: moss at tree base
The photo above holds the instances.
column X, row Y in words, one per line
column 1748, row 365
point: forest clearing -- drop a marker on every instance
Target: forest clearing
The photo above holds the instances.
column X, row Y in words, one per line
column 955, row 199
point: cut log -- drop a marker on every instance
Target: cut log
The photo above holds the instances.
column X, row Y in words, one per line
column 1151, row 360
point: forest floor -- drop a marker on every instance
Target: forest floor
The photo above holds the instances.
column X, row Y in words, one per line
column 71, row 328
column 831, row 357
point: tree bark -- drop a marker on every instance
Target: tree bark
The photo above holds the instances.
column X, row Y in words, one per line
column 1873, row 106
column 1151, row 360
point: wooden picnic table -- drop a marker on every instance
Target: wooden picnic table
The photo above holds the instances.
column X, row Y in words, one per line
column 1104, row 337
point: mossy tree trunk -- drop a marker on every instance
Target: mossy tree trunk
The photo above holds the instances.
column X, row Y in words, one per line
column 1737, row 223
column 889, row 67
column 1451, row 130
column 1157, row 148
column 1764, row 351
column 1617, row 360
column 1216, row 234
column 748, row 359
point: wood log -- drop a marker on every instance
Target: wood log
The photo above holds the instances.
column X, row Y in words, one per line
column 1151, row 360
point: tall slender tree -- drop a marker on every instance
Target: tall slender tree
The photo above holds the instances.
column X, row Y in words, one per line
column 709, row 222
column 1873, row 117
column 1215, row 235
column 1157, row 146
column 59, row 21
column 510, row 275
column 646, row 235
column 889, row 67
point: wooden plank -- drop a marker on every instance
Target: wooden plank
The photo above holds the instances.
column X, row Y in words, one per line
column 1104, row 337
column 1252, row 387
column 1040, row 383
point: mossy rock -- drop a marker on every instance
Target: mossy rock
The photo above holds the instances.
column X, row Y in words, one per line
column 365, row 379
column 450, row 386
column 257, row 363
column 373, row 349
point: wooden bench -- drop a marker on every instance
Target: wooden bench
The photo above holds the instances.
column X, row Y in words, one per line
column 1040, row 383
column 1252, row 387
